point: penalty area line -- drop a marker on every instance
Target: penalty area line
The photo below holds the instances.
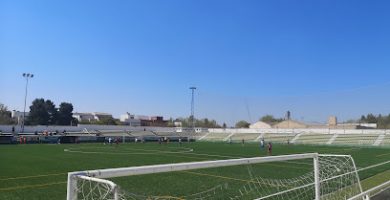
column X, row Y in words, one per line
column 32, row 186
column 35, row 176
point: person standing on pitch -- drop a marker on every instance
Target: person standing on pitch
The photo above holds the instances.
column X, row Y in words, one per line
column 262, row 143
column 269, row 149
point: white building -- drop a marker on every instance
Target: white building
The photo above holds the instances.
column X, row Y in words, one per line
column 178, row 124
column 88, row 117
column 99, row 115
column 18, row 116
column 130, row 119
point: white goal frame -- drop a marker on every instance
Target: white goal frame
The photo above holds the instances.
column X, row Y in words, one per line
column 99, row 175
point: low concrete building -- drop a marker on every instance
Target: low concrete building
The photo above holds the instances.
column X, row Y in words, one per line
column 130, row 119
column 178, row 124
column 90, row 117
column 86, row 117
column 155, row 121
column 99, row 115
column 18, row 116
column 260, row 125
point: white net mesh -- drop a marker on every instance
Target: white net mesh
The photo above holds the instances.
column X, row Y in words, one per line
column 93, row 188
column 337, row 174
column 338, row 180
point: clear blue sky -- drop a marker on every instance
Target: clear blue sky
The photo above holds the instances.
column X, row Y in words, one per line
column 248, row 58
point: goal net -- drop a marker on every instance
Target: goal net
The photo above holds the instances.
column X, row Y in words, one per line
column 299, row 176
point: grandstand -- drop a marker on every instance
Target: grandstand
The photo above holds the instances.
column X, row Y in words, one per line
column 245, row 136
column 215, row 136
column 313, row 138
column 215, row 149
column 386, row 140
column 278, row 138
column 355, row 139
column 301, row 136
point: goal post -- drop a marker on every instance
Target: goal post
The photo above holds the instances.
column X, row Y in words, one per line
column 87, row 184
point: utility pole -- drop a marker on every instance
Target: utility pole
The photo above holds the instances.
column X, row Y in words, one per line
column 26, row 76
column 192, row 108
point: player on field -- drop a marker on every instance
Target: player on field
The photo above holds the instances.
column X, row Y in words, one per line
column 116, row 142
column 269, row 149
column 262, row 143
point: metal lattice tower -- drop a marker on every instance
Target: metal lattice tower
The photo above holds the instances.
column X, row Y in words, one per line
column 192, row 117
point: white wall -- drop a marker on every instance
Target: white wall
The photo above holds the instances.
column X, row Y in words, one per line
column 80, row 127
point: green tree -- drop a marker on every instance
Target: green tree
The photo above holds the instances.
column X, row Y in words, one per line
column 242, row 124
column 65, row 114
column 170, row 122
column 270, row 119
column 52, row 112
column 5, row 115
column 371, row 118
column 107, row 120
column 205, row 123
column 38, row 113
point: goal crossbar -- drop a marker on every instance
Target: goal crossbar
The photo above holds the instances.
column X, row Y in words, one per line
column 151, row 169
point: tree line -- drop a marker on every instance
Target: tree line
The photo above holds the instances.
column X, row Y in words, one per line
column 42, row 112
column 205, row 122
column 382, row 121
column 45, row 112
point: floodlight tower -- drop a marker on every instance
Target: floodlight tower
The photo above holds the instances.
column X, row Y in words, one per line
column 26, row 76
column 192, row 107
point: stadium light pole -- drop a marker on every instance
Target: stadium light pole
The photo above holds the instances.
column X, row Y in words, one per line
column 26, row 76
column 192, row 107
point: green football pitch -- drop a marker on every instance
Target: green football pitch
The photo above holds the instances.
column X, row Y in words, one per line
column 40, row 171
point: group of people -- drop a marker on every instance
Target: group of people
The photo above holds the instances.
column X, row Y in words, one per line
column 22, row 140
column 269, row 146
column 111, row 141
column 262, row 145
column 166, row 140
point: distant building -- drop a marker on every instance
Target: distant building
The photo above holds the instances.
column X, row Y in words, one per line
column 18, row 116
column 130, row 119
column 154, row 121
column 86, row 117
column 178, row 124
column 99, row 115
column 332, row 121
column 90, row 117
column 290, row 124
column 260, row 124
column 367, row 125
